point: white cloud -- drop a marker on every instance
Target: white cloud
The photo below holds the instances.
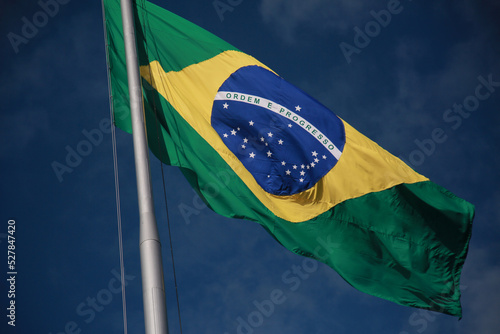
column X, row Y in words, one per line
column 289, row 16
column 35, row 83
column 481, row 296
column 21, row 128
column 419, row 98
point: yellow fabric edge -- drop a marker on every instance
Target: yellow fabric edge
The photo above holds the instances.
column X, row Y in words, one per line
column 364, row 166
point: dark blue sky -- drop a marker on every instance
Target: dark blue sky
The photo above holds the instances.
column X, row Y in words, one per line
column 424, row 84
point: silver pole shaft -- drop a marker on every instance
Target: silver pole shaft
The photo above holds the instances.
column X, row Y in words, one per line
column 153, row 289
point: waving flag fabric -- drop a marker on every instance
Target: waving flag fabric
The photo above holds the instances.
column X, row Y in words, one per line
column 256, row 147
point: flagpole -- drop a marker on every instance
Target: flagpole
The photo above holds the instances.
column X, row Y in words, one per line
column 153, row 289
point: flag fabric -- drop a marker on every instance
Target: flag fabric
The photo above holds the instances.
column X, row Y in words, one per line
column 256, row 147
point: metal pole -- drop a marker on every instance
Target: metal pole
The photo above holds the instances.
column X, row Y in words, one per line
column 155, row 311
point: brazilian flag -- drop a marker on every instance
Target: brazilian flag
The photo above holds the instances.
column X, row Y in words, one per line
column 256, row 147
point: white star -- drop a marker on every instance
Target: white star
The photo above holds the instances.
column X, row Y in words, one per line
column 266, row 144
column 251, row 123
column 314, row 153
column 316, row 160
column 307, row 167
column 225, row 135
column 302, row 166
column 261, row 138
column 287, row 172
column 225, row 105
column 301, row 180
column 243, row 146
column 269, row 176
column 270, row 134
column 302, row 173
column 269, row 153
column 238, row 128
column 245, row 140
column 252, row 155
column 280, row 142
column 283, row 163
column 313, row 164
column 324, row 157
column 233, row 132
column 297, row 108
column 289, row 125
column 294, row 166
